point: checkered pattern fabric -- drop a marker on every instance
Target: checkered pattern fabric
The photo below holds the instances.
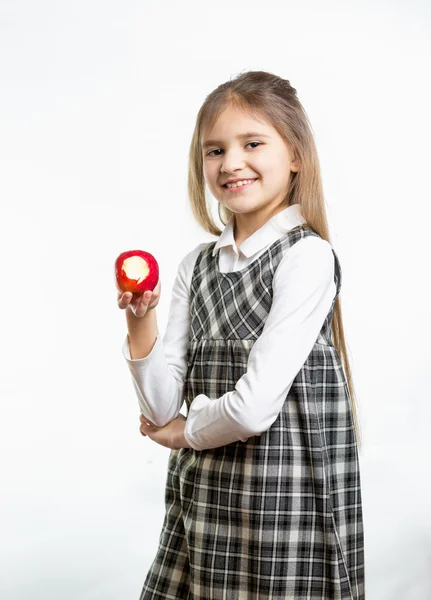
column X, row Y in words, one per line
column 279, row 516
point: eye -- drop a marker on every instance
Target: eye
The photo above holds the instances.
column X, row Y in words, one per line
column 218, row 149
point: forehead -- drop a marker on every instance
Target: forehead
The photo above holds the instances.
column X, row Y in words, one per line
column 233, row 123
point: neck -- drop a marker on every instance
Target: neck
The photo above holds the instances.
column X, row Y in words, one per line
column 245, row 225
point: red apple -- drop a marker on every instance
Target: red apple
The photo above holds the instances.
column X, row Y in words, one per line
column 136, row 271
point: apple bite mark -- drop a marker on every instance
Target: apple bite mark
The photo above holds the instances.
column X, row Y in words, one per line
column 136, row 268
column 136, row 271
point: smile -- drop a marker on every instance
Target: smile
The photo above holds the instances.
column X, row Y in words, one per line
column 238, row 188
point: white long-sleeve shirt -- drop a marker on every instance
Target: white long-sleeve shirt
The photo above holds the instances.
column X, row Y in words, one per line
column 303, row 292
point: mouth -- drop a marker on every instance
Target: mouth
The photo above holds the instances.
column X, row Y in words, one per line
column 238, row 188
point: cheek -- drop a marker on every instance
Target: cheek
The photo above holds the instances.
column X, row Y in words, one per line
column 209, row 171
column 272, row 170
column 211, row 178
column 264, row 166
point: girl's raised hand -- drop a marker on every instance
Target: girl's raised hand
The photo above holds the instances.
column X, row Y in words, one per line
column 141, row 304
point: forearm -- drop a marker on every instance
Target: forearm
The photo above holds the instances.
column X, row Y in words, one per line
column 217, row 422
column 142, row 333
column 159, row 392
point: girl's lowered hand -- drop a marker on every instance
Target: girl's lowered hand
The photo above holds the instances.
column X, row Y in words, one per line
column 139, row 304
column 170, row 436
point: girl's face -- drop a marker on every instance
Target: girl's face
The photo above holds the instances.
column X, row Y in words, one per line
column 240, row 147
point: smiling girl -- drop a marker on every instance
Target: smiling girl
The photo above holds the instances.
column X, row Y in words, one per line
column 263, row 489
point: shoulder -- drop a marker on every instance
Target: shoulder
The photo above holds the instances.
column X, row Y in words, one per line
column 311, row 245
column 311, row 256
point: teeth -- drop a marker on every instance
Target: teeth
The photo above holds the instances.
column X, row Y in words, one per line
column 239, row 183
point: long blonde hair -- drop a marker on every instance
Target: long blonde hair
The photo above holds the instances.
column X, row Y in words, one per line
column 263, row 94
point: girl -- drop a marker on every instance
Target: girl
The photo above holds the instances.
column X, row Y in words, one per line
column 263, row 491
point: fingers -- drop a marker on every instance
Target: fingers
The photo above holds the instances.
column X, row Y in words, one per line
column 138, row 304
column 146, row 428
column 146, row 421
column 123, row 299
column 143, row 428
column 145, row 298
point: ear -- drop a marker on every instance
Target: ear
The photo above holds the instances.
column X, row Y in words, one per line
column 294, row 164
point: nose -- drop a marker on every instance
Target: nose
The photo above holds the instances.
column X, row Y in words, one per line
column 233, row 160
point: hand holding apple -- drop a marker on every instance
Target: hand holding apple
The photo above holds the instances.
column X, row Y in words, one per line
column 137, row 278
column 139, row 304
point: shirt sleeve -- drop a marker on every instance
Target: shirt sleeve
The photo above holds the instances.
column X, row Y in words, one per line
column 158, row 379
column 303, row 292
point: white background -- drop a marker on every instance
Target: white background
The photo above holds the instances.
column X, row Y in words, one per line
column 98, row 102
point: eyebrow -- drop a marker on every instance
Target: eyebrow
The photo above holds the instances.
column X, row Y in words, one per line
column 239, row 136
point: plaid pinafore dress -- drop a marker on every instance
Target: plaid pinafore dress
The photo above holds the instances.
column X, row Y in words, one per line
column 278, row 516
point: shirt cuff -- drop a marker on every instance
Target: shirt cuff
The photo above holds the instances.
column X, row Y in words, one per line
column 207, row 429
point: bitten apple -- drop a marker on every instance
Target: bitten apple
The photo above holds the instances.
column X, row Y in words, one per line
column 136, row 271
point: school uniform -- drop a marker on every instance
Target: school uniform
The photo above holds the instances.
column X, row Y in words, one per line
column 267, row 501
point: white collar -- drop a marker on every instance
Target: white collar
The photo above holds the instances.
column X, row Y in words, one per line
column 281, row 222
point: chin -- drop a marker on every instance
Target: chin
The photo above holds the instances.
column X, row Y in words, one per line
column 244, row 206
